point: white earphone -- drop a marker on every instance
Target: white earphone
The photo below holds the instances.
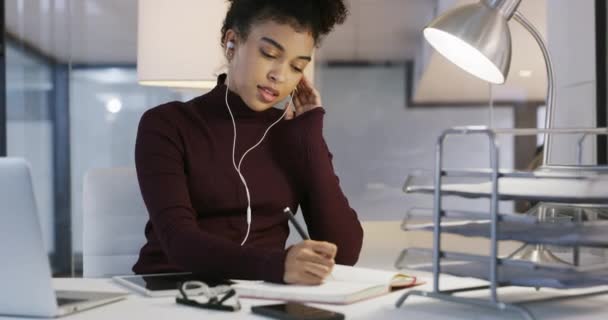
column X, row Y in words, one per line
column 238, row 168
column 229, row 45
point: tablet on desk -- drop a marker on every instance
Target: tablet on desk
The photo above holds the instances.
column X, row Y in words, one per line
column 162, row 284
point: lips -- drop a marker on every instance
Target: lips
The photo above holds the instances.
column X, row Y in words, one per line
column 267, row 94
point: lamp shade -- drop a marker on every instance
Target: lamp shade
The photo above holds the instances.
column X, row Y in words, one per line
column 178, row 42
column 474, row 37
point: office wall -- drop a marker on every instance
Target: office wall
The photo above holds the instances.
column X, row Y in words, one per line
column 571, row 41
column 377, row 140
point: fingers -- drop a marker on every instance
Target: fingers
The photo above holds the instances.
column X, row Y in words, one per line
column 302, row 102
column 303, row 92
column 308, row 94
column 297, row 101
column 306, row 87
column 304, row 84
column 290, row 111
column 318, row 258
column 310, row 273
column 307, row 278
column 304, row 98
column 319, row 271
column 309, row 262
column 325, row 248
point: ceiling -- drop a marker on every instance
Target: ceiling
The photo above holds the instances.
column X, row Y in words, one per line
column 379, row 31
column 90, row 32
column 105, row 32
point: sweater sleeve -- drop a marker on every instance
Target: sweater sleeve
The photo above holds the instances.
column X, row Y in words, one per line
column 159, row 158
column 326, row 210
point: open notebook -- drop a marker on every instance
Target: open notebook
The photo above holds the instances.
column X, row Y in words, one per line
column 346, row 285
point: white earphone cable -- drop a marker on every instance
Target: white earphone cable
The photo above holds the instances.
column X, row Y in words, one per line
column 238, row 168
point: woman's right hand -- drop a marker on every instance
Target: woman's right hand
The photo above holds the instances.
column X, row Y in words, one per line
column 305, row 98
column 309, row 262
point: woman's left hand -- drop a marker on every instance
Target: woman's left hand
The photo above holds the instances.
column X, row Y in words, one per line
column 306, row 98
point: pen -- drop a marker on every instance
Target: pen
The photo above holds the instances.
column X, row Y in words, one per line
column 295, row 223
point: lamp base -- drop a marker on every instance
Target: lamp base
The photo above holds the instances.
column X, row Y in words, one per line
column 538, row 254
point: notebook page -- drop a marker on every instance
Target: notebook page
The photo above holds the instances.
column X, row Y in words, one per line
column 344, row 273
column 329, row 291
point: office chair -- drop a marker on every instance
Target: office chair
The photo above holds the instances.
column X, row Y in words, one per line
column 113, row 222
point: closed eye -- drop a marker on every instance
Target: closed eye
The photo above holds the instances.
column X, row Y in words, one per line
column 267, row 55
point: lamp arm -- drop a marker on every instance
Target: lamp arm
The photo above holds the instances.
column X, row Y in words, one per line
column 550, row 109
column 506, row 7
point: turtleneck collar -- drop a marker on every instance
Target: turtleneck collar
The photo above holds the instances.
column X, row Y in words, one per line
column 238, row 107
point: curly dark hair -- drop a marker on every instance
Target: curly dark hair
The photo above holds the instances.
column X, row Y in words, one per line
column 317, row 16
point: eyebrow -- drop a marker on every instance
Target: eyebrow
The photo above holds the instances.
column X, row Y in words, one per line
column 280, row 47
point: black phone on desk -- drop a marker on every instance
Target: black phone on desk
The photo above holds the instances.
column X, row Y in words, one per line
column 296, row 311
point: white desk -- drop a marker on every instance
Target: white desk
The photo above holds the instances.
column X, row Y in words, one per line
column 137, row 307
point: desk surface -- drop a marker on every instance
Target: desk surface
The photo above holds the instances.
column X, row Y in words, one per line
column 382, row 308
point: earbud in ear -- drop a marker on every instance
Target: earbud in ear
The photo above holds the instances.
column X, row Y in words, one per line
column 229, row 45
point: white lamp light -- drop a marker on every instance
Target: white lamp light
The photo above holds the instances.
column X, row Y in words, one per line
column 178, row 42
column 477, row 38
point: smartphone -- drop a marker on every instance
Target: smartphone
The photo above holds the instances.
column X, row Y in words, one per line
column 296, row 311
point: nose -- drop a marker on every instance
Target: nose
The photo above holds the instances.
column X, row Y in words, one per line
column 277, row 74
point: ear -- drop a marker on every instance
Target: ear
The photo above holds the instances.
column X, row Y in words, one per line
column 231, row 36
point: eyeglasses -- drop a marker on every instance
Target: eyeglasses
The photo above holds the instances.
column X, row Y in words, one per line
column 216, row 296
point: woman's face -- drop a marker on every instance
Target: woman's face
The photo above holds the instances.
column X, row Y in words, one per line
column 265, row 68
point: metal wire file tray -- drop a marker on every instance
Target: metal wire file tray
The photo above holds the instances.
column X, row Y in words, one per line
column 576, row 186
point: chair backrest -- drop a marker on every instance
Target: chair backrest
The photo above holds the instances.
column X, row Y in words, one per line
column 113, row 223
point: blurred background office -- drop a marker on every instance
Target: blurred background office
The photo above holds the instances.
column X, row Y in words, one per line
column 73, row 102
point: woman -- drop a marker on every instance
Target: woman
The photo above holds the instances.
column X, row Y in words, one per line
column 216, row 172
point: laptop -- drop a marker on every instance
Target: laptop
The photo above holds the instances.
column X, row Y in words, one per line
column 25, row 274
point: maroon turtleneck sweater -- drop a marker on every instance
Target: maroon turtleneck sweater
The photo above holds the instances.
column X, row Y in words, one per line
column 197, row 203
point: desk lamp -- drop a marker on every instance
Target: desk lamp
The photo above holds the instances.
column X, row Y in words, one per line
column 476, row 38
